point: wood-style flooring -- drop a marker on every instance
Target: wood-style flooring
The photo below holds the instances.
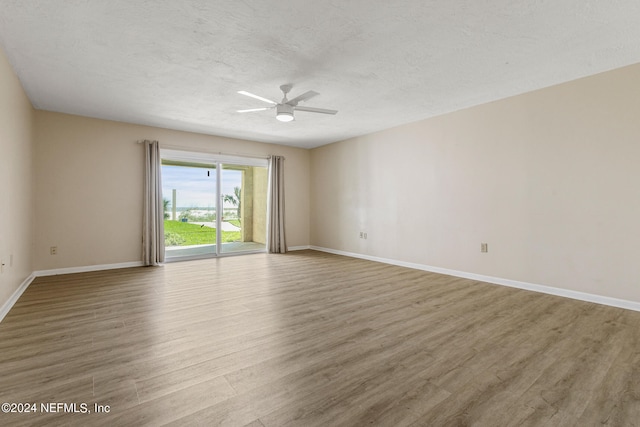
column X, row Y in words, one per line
column 313, row 339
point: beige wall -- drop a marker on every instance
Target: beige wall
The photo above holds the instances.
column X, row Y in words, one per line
column 16, row 194
column 89, row 178
column 550, row 180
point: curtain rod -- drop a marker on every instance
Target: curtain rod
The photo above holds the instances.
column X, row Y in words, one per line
column 172, row 147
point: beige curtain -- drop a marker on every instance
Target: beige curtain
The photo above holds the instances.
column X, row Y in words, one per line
column 275, row 233
column 153, row 221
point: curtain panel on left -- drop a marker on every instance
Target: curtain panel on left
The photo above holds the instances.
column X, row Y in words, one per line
column 153, row 220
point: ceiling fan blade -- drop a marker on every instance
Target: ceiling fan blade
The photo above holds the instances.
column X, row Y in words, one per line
column 315, row 110
column 254, row 109
column 244, row 92
column 307, row 95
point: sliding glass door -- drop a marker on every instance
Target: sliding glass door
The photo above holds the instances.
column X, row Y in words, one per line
column 189, row 196
column 213, row 204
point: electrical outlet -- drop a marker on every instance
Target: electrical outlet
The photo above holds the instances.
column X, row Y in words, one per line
column 484, row 247
column 365, row 236
column 53, row 250
column 361, row 235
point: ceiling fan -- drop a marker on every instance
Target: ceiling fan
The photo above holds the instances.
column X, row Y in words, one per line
column 286, row 107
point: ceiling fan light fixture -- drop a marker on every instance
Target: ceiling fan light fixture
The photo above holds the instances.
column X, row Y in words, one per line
column 284, row 117
column 284, row 112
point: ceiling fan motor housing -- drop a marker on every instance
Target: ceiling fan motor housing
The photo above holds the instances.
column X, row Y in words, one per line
column 284, row 112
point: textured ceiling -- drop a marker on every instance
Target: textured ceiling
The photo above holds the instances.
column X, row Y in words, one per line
column 178, row 64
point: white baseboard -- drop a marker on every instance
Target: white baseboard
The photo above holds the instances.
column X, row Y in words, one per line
column 87, row 268
column 298, row 248
column 4, row 310
column 582, row 296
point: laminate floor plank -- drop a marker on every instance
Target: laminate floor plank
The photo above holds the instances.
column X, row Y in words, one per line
column 313, row 339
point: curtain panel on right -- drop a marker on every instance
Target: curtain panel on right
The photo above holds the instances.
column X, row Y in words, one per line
column 276, row 242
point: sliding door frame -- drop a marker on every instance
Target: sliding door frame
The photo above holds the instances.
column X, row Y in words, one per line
column 216, row 160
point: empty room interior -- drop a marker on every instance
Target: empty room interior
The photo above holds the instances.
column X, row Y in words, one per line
column 319, row 213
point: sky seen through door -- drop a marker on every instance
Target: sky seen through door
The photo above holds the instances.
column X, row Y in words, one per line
column 194, row 188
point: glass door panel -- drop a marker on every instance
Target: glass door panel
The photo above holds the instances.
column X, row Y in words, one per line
column 189, row 196
column 243, row 223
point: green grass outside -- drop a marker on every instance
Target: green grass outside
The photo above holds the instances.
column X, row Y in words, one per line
column 178, row 233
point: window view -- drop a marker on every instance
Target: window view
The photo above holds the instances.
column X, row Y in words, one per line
column 198, row 224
